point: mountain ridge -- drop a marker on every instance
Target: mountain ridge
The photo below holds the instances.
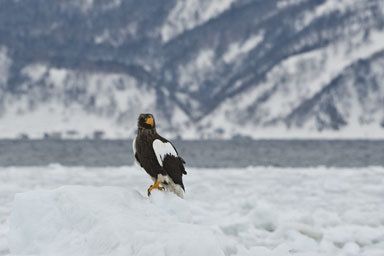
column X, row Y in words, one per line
column 206, row 70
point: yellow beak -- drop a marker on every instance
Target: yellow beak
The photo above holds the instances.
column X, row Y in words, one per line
column 149, row 121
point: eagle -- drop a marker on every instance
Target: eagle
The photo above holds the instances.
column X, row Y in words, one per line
column 158, row 157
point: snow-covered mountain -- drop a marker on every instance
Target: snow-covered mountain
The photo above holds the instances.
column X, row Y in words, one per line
column 206, row 69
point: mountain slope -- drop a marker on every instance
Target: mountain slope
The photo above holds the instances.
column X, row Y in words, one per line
column 218, row 69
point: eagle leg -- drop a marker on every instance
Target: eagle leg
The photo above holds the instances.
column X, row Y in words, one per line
column 155, row 185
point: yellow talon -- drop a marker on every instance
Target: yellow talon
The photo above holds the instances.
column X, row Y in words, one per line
column 156, row 185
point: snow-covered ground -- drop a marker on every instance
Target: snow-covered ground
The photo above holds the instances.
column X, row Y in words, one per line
column 251, row 211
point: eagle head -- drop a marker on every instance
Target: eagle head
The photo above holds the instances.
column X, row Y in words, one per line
column 146, row 121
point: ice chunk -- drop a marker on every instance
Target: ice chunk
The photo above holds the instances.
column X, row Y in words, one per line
column 84, row 220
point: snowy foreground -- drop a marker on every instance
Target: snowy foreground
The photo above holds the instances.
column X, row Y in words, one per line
column 252, row 211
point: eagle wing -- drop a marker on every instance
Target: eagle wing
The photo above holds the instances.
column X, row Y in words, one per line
column 162, row 149
column 168, row 158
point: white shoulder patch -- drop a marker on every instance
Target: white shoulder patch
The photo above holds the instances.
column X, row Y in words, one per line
column 162, row 149
column 134, row 152
column 134, row 146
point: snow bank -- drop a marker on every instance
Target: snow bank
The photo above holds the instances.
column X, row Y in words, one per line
column 83, row 220
column 256, row 211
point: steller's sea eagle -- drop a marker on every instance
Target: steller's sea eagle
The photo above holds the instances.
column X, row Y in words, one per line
column 158, row 157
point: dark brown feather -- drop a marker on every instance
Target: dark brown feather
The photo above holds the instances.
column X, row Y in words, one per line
column 172, row 166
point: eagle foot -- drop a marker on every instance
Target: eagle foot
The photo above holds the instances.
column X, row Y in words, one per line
column 154, row 186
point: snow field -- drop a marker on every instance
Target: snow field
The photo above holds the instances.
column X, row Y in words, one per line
column 80, row 220
column 250, row 211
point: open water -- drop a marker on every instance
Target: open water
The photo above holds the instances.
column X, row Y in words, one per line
column 207, row 153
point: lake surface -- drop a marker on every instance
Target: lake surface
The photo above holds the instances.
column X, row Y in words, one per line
column 209, row 153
